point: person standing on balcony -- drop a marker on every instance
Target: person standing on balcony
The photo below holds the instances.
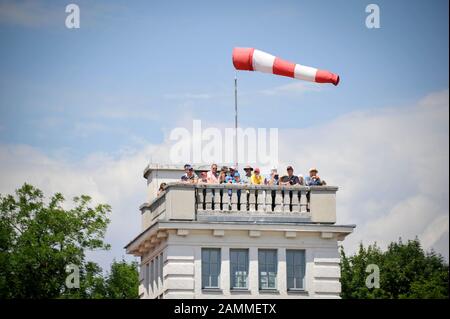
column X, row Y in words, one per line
column 313, row 179
column 189, row 176
column 203, row 178
column 230, row 175
column 213, row 175
column 256, row 178
column 223, row 174
column 273, row 179
column 186, row 170
column 162, row 188
column 291, row 179
column 246, row 179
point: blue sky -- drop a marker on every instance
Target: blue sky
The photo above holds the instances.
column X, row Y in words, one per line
column 118, row 80
column 85, row 110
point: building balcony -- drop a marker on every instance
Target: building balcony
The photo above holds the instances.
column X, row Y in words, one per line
column 242, row 203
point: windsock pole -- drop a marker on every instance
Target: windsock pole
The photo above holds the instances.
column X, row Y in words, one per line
column 235, row 121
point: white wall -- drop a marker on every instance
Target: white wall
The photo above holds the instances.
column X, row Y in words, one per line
column 182, row 268
column 161, row 175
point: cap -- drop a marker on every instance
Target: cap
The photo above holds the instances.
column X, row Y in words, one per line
column 257, row 170
column 237, row 174
column 313, row 169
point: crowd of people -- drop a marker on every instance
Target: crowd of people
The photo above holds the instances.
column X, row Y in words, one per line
column 251, row 176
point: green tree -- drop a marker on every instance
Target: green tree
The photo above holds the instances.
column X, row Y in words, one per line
column 406, row 271
column 38, row 240
column 123, row 280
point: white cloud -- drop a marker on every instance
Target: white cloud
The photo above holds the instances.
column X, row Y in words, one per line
column 391, row 166
column 115, row 180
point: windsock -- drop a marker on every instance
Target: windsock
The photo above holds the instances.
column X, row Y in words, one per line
column 250, row 59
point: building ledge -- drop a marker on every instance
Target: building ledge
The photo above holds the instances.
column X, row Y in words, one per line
column 297, row 291
column 269, row 291
column 339, row 231
column 240, row 291
column 212, row 290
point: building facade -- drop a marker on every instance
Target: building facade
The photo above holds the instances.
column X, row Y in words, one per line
column 236, row 241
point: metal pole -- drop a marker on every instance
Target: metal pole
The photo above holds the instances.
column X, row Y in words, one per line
column 235, row 121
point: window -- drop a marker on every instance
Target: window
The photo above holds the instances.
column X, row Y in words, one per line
column 161, row 267
column 295, row 264
column 239, row 268
column 151, row 276
column 267, row 263
column 145, row 275
column 156, row 276
column 210, row 267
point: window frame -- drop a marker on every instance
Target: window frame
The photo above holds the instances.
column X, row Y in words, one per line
column 301, row 268
column 263, row 268
column 246, row 265
column 209, row 285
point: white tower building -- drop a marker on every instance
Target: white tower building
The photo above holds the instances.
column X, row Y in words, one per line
column 234, row 241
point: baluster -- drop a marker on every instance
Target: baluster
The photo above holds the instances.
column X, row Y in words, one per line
column 208, row 199
column 252, row 200
column 295, row 203
column 215, row 199
column 286, row 201
column 244, row 200
column 269, row 198
column 222, row 199
column 234, row 200
column 262, row 200
column 278, row 201
column 303, row 202
column 227, row 198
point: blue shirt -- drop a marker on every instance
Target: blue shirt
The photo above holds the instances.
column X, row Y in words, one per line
column 313, row 182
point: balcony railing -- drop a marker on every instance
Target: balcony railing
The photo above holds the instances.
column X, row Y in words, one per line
column 252, row 199
column 231, row 202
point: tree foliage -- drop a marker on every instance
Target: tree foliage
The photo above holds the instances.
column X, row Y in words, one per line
column 406, row 271
column 38, row 239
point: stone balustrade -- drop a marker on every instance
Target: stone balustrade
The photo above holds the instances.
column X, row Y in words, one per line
column 232, row 202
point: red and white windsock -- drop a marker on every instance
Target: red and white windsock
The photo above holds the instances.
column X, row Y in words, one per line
column 250, row 59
